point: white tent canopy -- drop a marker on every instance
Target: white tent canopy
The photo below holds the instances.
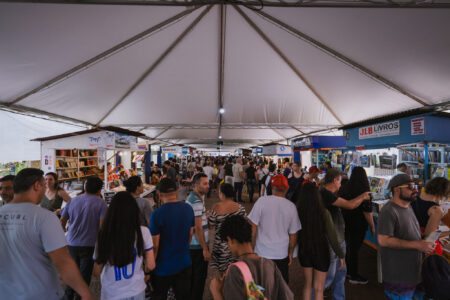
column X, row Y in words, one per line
column 17, row 131
column 166, row 70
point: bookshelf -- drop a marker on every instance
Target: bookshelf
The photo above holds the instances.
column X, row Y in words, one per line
column 438, row 159
column 76, row 164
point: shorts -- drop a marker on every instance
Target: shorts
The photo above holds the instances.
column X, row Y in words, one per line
column 319, row 261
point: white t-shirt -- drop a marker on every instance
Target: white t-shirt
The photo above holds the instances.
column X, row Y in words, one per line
column 209, row 171
column 125, row 282
column 276, row 218
column 237, row 170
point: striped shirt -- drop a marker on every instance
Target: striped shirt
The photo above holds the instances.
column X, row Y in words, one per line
column 197, row 204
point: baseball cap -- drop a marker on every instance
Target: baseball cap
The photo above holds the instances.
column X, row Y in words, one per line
column 279, row 182
column 398, row 180
column 313, row 169
column 167, row 185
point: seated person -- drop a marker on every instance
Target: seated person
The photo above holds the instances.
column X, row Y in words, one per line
column 266, row 278
column 426, row 207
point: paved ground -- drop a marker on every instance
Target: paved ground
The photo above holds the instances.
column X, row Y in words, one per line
column 371, row 291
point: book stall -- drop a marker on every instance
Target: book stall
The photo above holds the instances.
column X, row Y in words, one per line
column 419, row 141
column 78, row 155
column 316, row 150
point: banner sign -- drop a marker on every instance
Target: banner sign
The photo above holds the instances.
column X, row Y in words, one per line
column 305, row 142
column 109, row 140
column 173, row 150
column 380, row 130
column 95, row 140
column 418, row 126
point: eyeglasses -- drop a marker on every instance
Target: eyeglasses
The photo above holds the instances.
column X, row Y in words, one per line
column 411, row 186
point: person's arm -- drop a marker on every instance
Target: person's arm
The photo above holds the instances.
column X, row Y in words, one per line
column 436, row 214
column 201, row 238
column 396, row 243
column 63, row 194
column 369, row 218
column 191, row 234
column 351, row 204
column 216, row 288
column 254, row 233
column 292, row 243
column 97, row 271
column 332, row 235
column 155, row 239
column 150, row 260
column 69, row 272
column 64, row 223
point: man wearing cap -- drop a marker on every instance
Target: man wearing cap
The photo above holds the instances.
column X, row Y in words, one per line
column 275, row 225
column 313, row 175
column 172, row 226
column 401, row 246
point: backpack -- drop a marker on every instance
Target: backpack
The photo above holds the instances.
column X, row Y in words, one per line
column 436, row 277
column 253, row 291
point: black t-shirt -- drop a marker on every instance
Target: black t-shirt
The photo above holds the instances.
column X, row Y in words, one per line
column 228, row 169
column 266, row 180
column 328, row 198
column 420, row 208
column 250, row 172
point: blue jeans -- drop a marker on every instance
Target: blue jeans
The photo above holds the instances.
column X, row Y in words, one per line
column 336, row 276
column 83, row 258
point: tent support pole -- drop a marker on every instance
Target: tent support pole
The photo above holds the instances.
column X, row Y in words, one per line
column 103, row 55
column 288, row 62
column 161, row 133
column 29, row 111
column 295, row 128
column 156, row 63
column 222, row 28
column 339, row 56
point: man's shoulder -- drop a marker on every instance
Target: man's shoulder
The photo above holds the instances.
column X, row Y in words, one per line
column 193, row 198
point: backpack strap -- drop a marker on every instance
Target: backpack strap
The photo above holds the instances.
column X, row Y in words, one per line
column 245, row 271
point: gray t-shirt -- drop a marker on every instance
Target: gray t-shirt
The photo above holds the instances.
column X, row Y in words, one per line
column 400, row 265
column 145, row 210
column 27, row 233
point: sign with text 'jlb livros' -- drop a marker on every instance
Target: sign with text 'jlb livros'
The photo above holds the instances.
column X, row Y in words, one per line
column 380, row 130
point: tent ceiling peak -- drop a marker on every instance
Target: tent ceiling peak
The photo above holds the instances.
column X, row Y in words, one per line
column 288, row 62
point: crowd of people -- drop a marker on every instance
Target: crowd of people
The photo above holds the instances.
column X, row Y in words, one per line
column 166, row 251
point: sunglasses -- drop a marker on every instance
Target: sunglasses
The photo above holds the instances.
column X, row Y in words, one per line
column 411, row 186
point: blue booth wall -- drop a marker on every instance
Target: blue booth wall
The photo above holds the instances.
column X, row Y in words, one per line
column 317, row 142
column 437, row 129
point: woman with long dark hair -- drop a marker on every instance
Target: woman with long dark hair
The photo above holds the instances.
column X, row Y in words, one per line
column 356, row 222
column 54, row 194
column 135, row 187
column 317, row 234
column 122, row 247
